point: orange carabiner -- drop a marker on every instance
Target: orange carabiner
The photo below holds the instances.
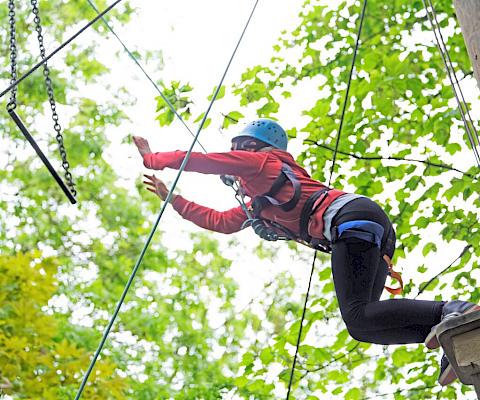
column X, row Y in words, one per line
column 394, row 275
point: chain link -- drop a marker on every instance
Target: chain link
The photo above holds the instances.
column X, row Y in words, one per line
column 12, row 104
column 51, row 98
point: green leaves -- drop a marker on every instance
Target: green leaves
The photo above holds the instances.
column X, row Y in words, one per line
column 232, row 118
column 353, row 394
column 396, row 147
column 220, row 95
column 176, row 96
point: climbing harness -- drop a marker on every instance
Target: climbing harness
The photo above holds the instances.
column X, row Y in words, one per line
column 69, row 187
column 271, row 230
column 368, row 231
column 267, row 230
column 312, row 204
column 162, row 210
column 267, row 199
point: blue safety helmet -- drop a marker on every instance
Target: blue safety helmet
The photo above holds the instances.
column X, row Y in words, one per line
column 266, row 130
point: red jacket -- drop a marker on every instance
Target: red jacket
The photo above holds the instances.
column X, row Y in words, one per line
column 257, row 172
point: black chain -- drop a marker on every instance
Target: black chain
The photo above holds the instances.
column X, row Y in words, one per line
column 51, row 99
column 12, row 104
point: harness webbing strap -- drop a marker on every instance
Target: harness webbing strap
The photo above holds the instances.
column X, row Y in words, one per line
column 362, row 229
column 308, row 210
column 267, row 199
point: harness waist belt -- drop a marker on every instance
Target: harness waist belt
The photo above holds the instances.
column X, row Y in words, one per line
column 308, row 210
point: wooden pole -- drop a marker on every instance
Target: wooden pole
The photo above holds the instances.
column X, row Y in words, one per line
column 468, row 14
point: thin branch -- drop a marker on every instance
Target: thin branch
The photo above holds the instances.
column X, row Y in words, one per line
column 323, row 366
column 380, row 158
column 422, row 289
column 399, row 391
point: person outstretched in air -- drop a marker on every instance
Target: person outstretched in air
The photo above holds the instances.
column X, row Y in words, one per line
column 286, row 202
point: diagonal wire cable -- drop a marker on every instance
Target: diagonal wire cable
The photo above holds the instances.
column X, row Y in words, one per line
column 463, row 103
column 167, row 200
column 432, row 17
column 137, row 62
column 347, row 92
column 345, row 102
column 301, row 325
column 64, row 44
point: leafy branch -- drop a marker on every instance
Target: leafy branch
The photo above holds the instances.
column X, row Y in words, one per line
column 401, row 390
column 380, row 158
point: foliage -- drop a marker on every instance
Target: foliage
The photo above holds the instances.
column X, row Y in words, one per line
column 176, row 96
column 400, row 144
column 37, row 362
column 63, row 269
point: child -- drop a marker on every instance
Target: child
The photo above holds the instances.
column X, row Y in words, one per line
column 357, row 230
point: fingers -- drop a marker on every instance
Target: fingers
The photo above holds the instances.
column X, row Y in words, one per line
column 154, row 180
column 149, row 183
column 152, row 177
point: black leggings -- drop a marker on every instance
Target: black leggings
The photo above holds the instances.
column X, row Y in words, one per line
column 359, row 275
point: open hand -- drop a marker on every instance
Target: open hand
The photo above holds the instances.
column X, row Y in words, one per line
column 142, row 145
column 155, row 185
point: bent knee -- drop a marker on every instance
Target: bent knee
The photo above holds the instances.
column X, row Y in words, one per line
column 354, row 318
column 358, row 335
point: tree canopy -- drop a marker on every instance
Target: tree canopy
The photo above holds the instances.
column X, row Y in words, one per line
column 63, row 269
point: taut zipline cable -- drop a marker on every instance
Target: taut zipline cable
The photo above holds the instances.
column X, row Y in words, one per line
column 342, row 117
column 447, row 61
column 135, row 60
column 167, row 200
column 68, row 41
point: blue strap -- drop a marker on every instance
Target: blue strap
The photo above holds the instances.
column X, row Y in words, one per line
column 361, row 229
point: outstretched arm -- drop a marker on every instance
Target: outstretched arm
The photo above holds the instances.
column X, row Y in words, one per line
column 229, row 221
column 237, row 163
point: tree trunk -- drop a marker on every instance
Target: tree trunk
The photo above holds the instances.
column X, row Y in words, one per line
column 468, row 14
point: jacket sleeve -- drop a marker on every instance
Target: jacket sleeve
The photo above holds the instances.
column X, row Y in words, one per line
column 237, row 163
column 229, row 221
